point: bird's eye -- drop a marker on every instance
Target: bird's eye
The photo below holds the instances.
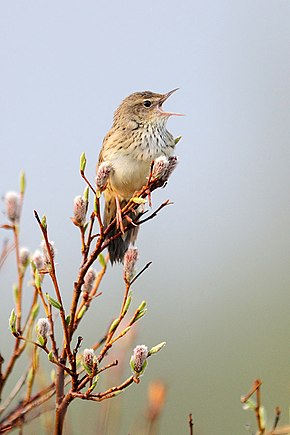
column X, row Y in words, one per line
column 147, row 103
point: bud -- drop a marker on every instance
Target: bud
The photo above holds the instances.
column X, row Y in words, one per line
column 160, row 167
column 80, row 210
column 88, row 360
column 46, row 256
column 89, row 280
column 24, row 256
column 138, row 360
column 83, row 162
column 103, row 173
column 38, row 259
column 172, row 163
column 130, row 259
column 12, row 204
column 42, row 329
column 22, row 182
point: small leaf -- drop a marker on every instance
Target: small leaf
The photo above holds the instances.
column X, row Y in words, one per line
column 102, row 260
column 83, row 162
column 52, row 301
column 138, row 200
column 156, row 348
column 177, row 139
column 50, row 356
column 67, row 320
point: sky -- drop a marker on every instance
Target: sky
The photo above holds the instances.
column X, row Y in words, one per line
column 218, row 288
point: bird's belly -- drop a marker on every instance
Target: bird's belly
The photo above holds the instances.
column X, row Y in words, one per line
column 129, row 175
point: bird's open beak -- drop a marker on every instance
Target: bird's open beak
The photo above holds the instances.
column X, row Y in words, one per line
column 162, row 100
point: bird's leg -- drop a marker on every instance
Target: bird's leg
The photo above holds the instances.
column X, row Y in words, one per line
column 128, row 219
column 119, row 218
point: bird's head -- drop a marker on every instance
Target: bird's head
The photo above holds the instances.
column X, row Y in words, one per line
column 144, row 107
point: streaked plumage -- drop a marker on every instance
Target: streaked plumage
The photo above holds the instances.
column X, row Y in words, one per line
column 138, row 136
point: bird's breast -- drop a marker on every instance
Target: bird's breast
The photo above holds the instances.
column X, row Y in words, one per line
column 131, row 159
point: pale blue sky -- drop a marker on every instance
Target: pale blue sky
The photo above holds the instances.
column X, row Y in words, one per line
column 218, row 289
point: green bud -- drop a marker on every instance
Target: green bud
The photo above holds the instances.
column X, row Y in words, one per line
column 156, row 348
column 138, row 200
column 83, row 162
column 82, row 312
column 114, row 325
column 12, row 322
column 42, row 341
column 127, row 304
column 94, row 384
column 102, row 260
column 22, row 182
column 52, row 301
column 177, row 139
column 67, row 320
column 37, row 279
column 50, row 356
column 86, row 194
column 43, row 222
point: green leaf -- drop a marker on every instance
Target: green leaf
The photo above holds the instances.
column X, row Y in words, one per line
column 67, row 320
column 156, row 348
column 102, row 260
column 138, row 200
column 52, row 301
column 50, row 356
column 177, row 139
column 83, row 162
column 22, row 182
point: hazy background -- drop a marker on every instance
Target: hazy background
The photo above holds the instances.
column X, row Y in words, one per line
column 218, row 289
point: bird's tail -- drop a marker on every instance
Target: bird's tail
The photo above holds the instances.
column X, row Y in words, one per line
column 117, row 247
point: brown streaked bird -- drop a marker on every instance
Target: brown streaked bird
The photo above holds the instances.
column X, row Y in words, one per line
column 138, row 136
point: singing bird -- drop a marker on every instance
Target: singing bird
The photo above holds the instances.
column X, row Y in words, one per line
column 137, row 137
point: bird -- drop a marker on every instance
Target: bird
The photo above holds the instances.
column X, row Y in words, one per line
column 137, row 137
